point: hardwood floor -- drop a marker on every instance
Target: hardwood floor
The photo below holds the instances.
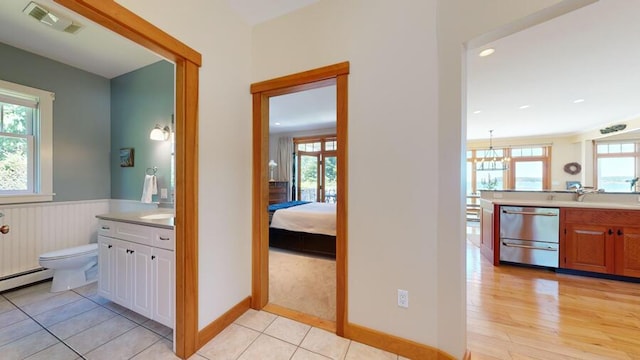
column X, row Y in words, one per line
column 523, row 313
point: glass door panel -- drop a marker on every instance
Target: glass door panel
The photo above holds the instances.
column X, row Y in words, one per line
column 308, row 177
column 330, row 179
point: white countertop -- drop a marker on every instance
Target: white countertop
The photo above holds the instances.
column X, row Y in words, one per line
column 488, row 203
column 142, row 218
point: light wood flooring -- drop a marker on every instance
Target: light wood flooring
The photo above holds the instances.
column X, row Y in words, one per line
column 523, row 313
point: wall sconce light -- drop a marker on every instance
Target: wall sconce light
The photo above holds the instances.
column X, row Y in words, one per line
column 160, row 133
column 272, row 165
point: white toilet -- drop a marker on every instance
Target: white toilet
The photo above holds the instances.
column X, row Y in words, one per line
column 72, row 267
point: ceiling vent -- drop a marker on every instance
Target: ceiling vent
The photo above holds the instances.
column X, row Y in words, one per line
column 51, row 19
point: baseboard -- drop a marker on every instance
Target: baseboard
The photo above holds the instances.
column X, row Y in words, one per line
column 393, row 344
column 25, row 279
column 210, row 331
column 301, row 317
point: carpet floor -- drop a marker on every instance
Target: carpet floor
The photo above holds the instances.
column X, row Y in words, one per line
column 305, row 283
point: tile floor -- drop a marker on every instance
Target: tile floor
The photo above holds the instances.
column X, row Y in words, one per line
column 79, row 324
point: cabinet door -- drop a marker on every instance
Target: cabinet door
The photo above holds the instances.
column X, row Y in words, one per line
column 141, row 279
column 122, row 273
column 163, row 280
column 106, row 275
column 628, row 251
column 486, row 234
column 589, row 248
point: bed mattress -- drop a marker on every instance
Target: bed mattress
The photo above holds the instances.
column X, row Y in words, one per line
column 314, row 218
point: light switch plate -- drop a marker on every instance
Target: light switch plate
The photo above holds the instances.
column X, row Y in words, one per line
column 163, row 193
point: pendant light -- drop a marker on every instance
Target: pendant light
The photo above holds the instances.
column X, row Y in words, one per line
column 491, row 161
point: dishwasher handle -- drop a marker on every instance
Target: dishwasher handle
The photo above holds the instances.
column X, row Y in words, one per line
column 529, row 247
column 529, row 213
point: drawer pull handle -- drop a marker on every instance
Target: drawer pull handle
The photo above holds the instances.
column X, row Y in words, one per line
column 165, row 238
column 106, row 228
column 529, row 247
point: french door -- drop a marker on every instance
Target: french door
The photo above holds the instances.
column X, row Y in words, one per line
column 317, row 173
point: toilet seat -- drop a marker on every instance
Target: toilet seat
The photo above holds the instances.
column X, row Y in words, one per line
column 70, row 252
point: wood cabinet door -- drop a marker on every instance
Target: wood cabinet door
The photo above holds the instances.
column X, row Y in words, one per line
column 627, row 246
column 589, row 248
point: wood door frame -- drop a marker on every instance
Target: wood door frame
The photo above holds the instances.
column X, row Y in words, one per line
column 333, row 74
column 117, row 18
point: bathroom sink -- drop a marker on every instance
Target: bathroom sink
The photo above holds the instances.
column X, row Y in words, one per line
column 157, row 216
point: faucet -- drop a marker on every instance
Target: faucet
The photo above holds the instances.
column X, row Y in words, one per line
column 581, row 193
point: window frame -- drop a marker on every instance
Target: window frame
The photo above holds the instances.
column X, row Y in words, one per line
column 42, row 160
column 509, row 175
column 596, row 156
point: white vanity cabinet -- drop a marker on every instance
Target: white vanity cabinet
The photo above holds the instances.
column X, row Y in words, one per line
column 136, row 268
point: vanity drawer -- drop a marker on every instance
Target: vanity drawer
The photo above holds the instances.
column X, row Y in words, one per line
column 164, row 239
column 105, row 228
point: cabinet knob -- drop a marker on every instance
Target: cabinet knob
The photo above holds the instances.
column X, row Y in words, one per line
column 620, row 232
column 109, row 247
column 153, row 257
column 610, row 232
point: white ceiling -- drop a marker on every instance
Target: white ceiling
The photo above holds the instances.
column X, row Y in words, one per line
column 305, row 110
column 93, row 49
column 591, row 54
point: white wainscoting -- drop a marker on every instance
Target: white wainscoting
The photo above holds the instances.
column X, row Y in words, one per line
column 40, row 228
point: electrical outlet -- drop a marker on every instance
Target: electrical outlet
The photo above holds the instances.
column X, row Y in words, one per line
column 403, row 298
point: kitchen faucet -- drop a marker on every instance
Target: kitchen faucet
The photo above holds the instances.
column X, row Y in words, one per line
column 581, row 193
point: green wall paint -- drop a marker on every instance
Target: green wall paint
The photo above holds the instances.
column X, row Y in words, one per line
column 140, row 100
column 81, row 118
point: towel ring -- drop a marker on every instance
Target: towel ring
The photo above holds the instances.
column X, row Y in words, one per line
column 151, row 171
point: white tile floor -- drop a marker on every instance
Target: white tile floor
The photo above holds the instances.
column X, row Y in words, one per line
column 79, row 324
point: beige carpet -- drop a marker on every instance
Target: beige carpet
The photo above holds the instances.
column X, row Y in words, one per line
column 303, row 282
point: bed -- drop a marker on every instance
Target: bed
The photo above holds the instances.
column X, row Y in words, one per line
column 308, row 227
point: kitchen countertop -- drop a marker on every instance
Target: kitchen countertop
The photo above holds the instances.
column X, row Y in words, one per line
column 488, row 204
column 145, row 218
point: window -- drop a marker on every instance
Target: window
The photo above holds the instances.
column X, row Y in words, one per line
column 26, row 127
column 527, row 170
column 616, row 165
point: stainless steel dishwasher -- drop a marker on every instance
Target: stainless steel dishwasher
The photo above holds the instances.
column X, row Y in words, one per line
column 530, row 235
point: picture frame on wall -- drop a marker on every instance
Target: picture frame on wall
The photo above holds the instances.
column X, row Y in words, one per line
column 126, row 157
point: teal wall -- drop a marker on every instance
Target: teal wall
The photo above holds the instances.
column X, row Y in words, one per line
column 139, row 100
column 81, row 118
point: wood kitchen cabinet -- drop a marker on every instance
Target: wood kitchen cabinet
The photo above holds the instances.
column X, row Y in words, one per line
column 603, row 241
column 488, row 225
column 627, row 251
column 589, row 248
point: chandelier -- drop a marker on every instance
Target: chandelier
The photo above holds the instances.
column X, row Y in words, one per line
column 491, row 161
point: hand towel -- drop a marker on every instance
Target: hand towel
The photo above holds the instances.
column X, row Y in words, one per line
column 149, row 189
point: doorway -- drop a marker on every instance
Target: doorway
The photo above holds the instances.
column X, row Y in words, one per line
column 334, row 74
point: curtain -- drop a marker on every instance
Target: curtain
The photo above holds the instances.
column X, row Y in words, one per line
column 285, row 161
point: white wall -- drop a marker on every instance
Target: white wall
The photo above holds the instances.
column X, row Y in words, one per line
column 224, row 41
column 392, row 244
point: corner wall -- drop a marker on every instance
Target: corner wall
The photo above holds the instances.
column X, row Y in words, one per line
column 140, row 100
column 211, row 28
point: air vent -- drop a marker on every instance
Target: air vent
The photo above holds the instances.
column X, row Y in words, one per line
column 49, row 18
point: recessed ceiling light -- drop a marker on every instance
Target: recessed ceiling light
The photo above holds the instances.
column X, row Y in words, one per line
column 477, row 111
column 524, row 106
column 487, row 52
column 577, row 101
column 277, row 124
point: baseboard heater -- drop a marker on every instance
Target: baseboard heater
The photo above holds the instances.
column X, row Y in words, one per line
column 24, row 278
